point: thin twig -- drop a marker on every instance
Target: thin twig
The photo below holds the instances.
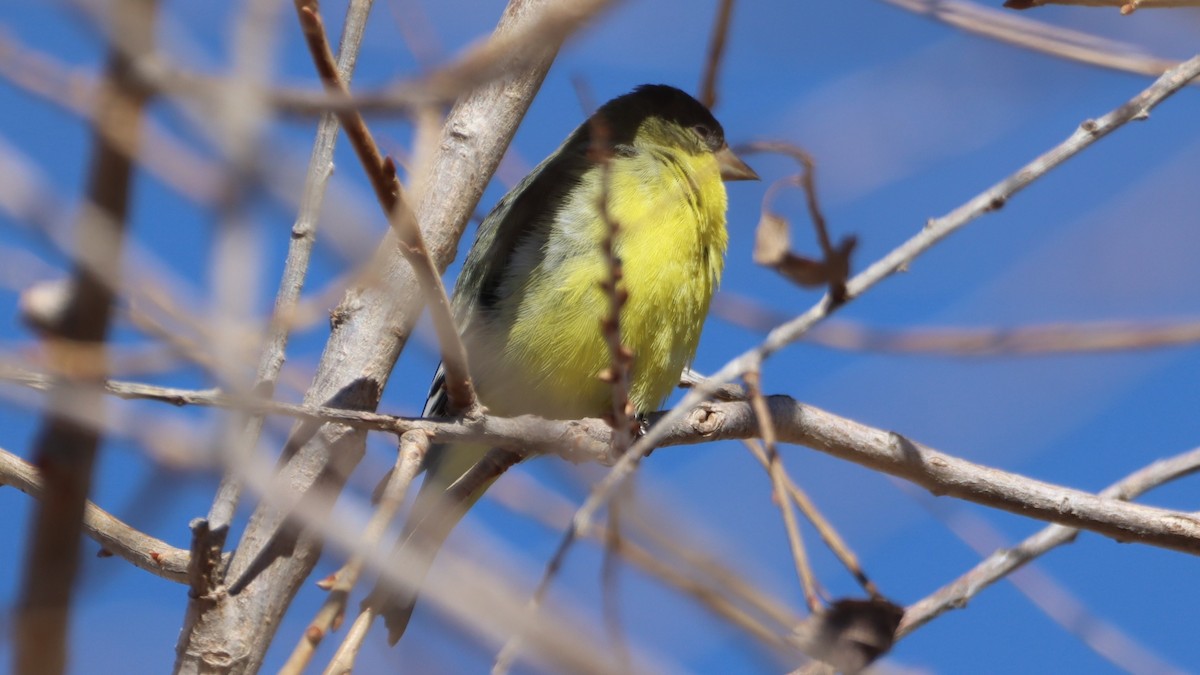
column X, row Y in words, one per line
column 1036, row 340
column 716, row 53
column 620, row 356
column 778, row 476
column 343, row 659
column 834, row 266
column 1037, row 36
column 413, row 446
column 389, row 192
column 827, row 532
column 1054, row 599
column 1126, row 6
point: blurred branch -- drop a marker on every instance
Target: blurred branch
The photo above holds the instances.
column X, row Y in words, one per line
column 370, row 327
column 498, row 56
column 716, row 52
column 720, row 590
column 1052, row 598
column 240, row 121
column 1127, row 6
column 389, row 192
column 779, row 493
column 847, row 335
column 161, row 154
column 1038, row 36
column 411, row 455
column 828, row 534
column 958, row 593
column 243, row 434
column 65, row 451
column 114, row 536
column 613, row 538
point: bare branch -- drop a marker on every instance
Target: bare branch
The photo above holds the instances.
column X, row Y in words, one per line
column 300, row 246
column 589, row 440
column 114, row 536
column 1127, row 6
column 1039, row 37
column 957, row 593
column 413, row 446
column 778, row 476
column 1036, row 340
column 828, row 534
column 716, row 52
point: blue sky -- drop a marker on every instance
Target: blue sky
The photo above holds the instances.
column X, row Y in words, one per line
column 907, row 118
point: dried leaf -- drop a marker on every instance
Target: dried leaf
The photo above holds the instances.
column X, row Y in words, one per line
column 771, row 240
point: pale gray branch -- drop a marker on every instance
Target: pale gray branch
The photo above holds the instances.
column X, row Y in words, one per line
column 1036, row 36
column 1000, row 564
column 370, row 327
column 1127, row 6
column 116, row 537
column 589, row 440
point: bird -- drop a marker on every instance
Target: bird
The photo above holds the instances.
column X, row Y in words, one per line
column 530, row 299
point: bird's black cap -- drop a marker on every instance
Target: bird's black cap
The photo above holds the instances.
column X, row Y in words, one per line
column 624, row 114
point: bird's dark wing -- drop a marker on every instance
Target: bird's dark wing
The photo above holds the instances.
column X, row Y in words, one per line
column 526, row 212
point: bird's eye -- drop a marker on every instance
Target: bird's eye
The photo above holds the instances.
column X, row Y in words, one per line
column 702, row 130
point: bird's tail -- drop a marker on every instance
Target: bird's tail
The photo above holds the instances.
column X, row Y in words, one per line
column 441, row 503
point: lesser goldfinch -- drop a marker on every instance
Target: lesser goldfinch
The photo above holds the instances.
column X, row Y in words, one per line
column 529, row 301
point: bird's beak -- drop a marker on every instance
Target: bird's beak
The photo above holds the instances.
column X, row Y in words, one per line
column 732, row 167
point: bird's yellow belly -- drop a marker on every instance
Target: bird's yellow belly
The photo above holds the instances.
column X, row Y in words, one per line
column 555, row 352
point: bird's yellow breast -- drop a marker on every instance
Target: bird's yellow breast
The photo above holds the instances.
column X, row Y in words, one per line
column 670, row 211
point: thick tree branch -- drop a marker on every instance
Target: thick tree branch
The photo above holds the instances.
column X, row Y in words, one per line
column 244, row 433
column 370, row 327
column 589, row 441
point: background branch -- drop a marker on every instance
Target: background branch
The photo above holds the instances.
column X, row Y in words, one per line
column 65, row 451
